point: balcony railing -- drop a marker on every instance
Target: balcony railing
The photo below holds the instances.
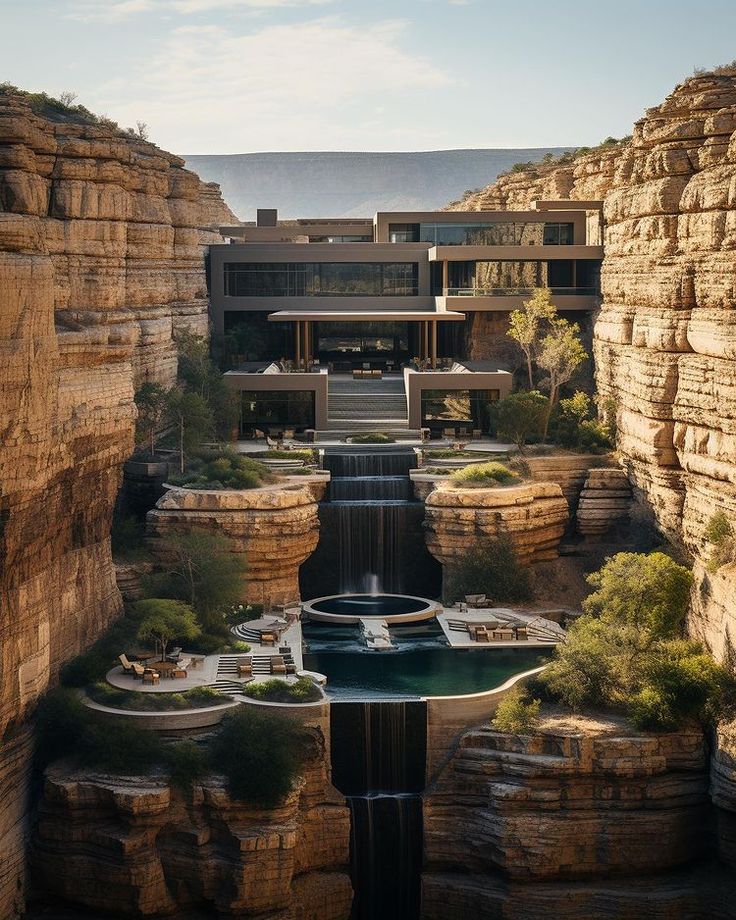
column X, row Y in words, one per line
column 518, row 291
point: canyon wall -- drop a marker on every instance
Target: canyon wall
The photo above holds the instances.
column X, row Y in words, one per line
column 136, row 846
column 101, row 260
column 585, row 818
column 665, row 336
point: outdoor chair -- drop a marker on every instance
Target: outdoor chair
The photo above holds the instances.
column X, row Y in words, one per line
column 174, row 654
column 150, row 676
column 271, row 443
column 196, row 661
column 521, row 632
column 178, row 672
column 475, row 600
column 139, row 670
column 502, row 635
column 278, row 665
column 127, row 665
column 448, row 433
column 290, row 667
column 245, row 667
column 268, row 639
column 481, row 634
column 258, row 434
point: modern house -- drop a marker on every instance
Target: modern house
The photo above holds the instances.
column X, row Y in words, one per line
column 313, row 313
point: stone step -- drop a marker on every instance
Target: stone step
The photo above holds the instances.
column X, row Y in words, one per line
column 339, row 433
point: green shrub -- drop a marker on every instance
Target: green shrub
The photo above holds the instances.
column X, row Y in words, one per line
column 305, row 454
column 446, row 453
column 491, row 568
column 260, row 754
column 303, row 690
column 119, row 747
column 223, row 470
column 186, row 762
column 141, row 701
column 483, row 475
column 372, row 437
column 239, row 646
column 720, row 534
column 103, row 654
column 573, row 425
column 128, row 537
column 517, row 714
column 520, row 417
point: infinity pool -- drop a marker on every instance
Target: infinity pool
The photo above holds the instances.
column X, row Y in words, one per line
column 421, row 665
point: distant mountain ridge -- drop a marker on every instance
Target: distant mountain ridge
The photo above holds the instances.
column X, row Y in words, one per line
column 337, row 184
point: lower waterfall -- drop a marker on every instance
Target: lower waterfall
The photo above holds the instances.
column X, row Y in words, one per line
column 378, row 762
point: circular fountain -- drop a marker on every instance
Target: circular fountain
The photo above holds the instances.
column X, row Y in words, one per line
column 352, row 608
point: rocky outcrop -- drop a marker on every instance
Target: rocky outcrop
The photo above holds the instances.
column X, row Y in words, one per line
column 275, row 529
column 533, row 515
column 605, row 502
column 664, row 340
column 135, row 846
column 585, row 818
column 101, row 259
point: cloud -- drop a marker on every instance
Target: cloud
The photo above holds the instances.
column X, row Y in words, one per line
column 307, row 85
column 118, row 10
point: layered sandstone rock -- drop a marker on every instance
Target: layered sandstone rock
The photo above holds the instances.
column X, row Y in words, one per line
column 533, row 515
column 135, row 846
column 101, row 258
column 605, row 502
column 585, row 818
column 275, row 529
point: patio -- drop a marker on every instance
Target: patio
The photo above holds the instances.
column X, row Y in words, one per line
column 202, row 676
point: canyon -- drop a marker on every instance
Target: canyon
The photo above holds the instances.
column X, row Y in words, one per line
column 102, row 238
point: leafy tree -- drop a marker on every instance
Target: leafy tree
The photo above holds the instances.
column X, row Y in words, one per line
column 199, row 374
column 520, row 416
column 517, row 714
column 573, row 425
column 490, row 568
column 650, row 593
column 152, row 402
column 527, row 326
column 561, row 355
column 193, row 418
column 201, row 570
column 260, row 754
column 163, row 620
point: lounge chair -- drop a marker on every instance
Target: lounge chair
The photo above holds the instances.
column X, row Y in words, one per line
column 174, row 654
column 139, row 670
column 271, row 443
column 150, row 676
column 278, row 665
column 475, row 600
column 245, row 666
column 127, row 665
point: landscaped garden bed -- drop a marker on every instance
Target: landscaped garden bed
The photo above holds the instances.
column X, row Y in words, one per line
column 303, row 690
column 138, row 701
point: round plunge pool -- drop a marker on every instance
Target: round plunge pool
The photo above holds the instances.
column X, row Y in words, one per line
column 351, row 608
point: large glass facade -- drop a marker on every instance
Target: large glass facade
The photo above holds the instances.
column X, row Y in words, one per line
column 249, row 336
column 501, row 233
column 321, row 279
column 457, row 406
column 511, row 276
column 275, row 408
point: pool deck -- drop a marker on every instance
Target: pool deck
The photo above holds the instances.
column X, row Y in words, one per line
column 202, row 676
column 461, row 638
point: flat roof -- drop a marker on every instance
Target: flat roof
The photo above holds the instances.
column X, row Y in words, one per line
column 288, row 316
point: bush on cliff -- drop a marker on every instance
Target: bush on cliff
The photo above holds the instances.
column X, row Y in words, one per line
column 517, row 714
column 483, row 475
column 628, row 653
column 489, row 567
column 223, row 470
column 260, row 754
column 574, row 425
column 276, row 690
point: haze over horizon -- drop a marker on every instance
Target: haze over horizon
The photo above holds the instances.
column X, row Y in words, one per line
column 246, row 76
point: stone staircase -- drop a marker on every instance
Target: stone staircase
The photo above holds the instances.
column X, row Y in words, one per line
column 226, row 679
column 366, row 405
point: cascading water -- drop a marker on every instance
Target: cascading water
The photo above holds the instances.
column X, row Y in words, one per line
column 371, row 528
column 378, row 762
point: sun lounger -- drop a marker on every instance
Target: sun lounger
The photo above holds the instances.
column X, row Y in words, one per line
column 174, row 654
column 127, row 665
column 475, row 600
column 278, row 665
column 138, row 669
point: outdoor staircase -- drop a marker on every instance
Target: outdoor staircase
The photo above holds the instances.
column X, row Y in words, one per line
column 226, row 679
column 366, row 405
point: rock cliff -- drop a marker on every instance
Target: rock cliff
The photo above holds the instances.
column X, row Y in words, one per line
column 101, row 259
column 665, row 336
column 135, row 846
column 583, row 819
column 274, row 529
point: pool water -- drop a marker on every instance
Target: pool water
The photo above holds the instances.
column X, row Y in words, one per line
column 371, row 605
column 421, row 665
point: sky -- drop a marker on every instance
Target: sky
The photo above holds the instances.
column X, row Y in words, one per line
column 239, row 76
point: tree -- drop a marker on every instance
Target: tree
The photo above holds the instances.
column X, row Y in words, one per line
column 67, row 98
column 650, row 593
column 561, row 355
column 520, row 415
column 193, row 418
column 489, row 567
column 199, row 374
column 517, row 713
column 164, row 619
column 528, row 325
column 152, row 402
column 202, row 570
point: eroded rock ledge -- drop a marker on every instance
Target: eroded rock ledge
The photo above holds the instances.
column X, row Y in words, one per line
column 586, row 819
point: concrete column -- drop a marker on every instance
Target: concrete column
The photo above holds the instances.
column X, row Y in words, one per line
column 298, row 343
column 434, row 343
column 445, row 276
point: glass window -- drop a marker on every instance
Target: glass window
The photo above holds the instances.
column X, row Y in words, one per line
column 457, row 406
column 511, row 276
column 558, row 234
column 403, row 233
column 294, row 408
column 321, row 279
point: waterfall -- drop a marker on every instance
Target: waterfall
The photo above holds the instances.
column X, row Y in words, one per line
column 371, row 535
column 378, row 762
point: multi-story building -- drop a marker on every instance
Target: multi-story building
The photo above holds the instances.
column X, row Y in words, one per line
column 397, row 295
